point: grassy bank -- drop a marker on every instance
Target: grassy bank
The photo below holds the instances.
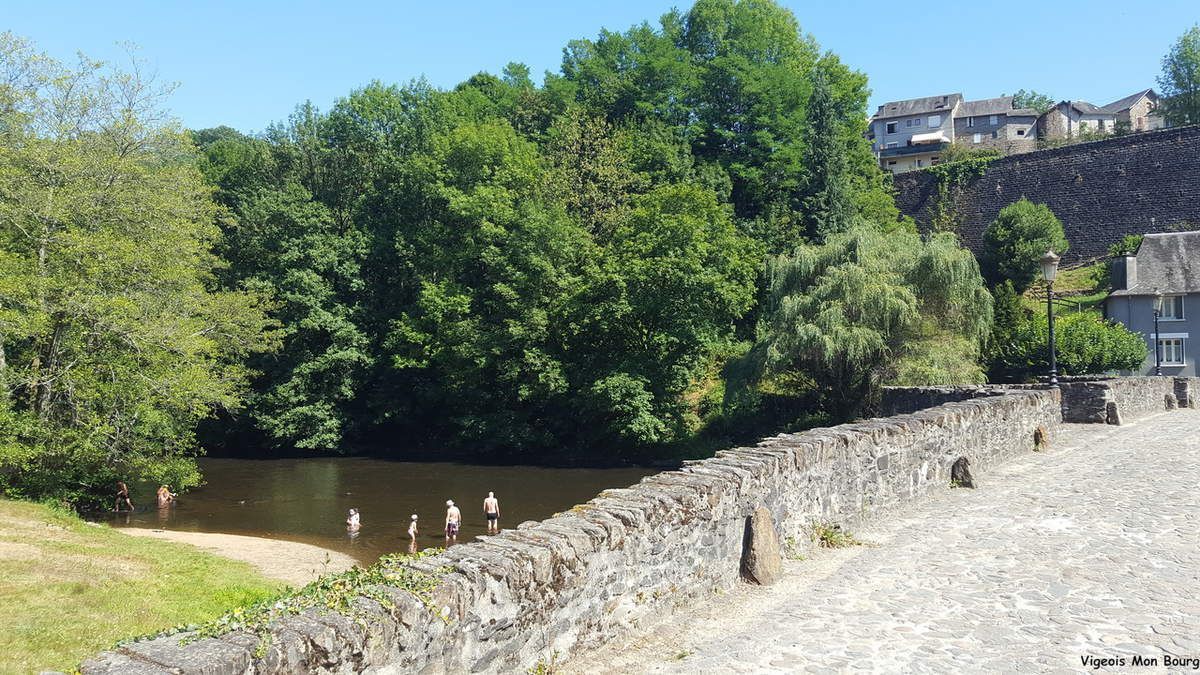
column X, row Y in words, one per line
column 1078, row 289
column 70, row 588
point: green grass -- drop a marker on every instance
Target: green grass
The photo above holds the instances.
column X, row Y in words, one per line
column 1080, row 289
column 71, row 589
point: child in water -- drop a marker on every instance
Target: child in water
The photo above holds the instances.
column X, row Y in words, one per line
column 412, row 528
column 352, row 521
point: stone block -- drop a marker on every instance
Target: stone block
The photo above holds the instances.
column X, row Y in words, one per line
column 762, row 561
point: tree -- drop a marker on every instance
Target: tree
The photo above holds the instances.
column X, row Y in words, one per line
column 1034, row 100
column 1014, row 243
column 280, row 240
column 734, row 78
column 678, row 275
column 845, row 312
column 113, row 341
column 826, row 207
column 1179, row 83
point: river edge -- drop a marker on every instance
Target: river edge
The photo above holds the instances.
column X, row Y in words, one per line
column 288, row 561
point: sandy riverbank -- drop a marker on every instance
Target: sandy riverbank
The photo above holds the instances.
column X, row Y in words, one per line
column 289, row 561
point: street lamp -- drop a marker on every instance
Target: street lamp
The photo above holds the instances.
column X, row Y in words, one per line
column 1158, row 300
column 1049, row 271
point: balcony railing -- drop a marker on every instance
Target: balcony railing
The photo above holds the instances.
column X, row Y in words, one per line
column 913, row 149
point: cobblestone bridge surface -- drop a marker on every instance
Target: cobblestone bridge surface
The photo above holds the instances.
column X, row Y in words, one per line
column 1090, row 549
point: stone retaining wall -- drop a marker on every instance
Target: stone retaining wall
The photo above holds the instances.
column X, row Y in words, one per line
column 1101, row 191
column 628, row 557
column 1119, row 399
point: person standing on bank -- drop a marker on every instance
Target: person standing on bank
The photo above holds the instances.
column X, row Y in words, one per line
column 491, row 511
column 453, row 520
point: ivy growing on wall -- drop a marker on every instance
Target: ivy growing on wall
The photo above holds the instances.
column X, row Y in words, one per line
column 951, row 178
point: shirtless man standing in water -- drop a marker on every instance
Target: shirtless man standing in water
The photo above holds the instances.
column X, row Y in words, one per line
column 491, row 511
column 453, row 520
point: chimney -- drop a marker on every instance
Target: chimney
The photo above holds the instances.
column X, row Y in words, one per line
column 1124, row 272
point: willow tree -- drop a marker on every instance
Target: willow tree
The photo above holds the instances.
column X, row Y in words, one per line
column 865, row 308
column 112, row 344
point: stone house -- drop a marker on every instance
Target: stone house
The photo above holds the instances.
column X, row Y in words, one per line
column 1166, row 263
column 1068, row 119
column 1137, row 112
column 913, row 134
column 995, row 123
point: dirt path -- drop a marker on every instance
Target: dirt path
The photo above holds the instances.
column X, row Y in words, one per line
column 289, row 561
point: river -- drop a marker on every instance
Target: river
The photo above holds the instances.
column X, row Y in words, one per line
column 306, row 500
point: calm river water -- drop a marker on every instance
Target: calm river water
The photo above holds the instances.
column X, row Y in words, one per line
column 306, row 500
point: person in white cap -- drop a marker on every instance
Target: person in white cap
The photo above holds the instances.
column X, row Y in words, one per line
column 412, row 528
column 453, row 520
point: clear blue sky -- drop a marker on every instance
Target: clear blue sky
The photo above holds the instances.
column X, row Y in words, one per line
column 247, row 63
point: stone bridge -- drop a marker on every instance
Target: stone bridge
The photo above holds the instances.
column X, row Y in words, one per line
column 1079, row 542
column 1087, row 550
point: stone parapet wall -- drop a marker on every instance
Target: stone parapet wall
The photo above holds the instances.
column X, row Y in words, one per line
column 1120, row 399
column 906, row 400
column 628, row 557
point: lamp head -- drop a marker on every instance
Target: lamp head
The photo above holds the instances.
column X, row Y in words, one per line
column 1158, row 301
column 1050, row 266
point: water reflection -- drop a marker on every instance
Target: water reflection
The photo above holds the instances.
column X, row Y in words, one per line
column 308, row 500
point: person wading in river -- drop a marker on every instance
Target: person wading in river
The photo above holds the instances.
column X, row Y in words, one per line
column 453, row 520
column 491, row 511
column 122, row 496
column 165, row 496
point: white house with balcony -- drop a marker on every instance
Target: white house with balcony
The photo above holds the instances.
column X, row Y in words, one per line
column 912, row 134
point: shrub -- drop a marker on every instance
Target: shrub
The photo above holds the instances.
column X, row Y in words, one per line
column 1015, row 241
column 1085, row 345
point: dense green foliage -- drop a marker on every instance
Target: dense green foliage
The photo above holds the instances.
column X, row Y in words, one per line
column 1016, row 240
column 1033, row 99
column 1179, row 83
column 1128, row 245
column 527, row 271
column 1085, row 344
column 866, row 307
column 113, row 341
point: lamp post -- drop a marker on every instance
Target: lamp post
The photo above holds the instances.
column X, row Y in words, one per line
column 1158, row 302
column 1049, row 271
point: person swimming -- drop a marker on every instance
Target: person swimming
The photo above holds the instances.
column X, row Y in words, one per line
column 353, row 522
column 165, row 496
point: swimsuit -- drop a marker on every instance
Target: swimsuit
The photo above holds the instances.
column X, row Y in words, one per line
column 451, row 529
column 493, row 516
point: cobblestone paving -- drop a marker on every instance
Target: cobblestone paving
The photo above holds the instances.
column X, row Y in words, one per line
column 1091, row 548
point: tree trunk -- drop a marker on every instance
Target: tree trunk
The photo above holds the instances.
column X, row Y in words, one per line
column 45, row 386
